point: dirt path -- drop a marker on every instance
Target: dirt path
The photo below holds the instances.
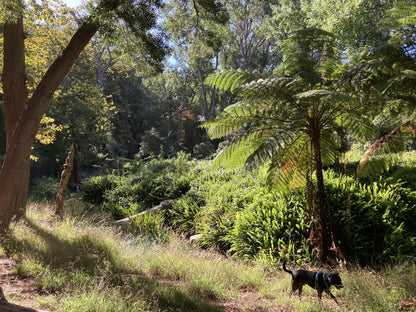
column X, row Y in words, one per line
column 252, row 302
column 16, row 289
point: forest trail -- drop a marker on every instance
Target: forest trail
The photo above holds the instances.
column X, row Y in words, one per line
column 15, row 288
column 23, row 291
column 95, row 264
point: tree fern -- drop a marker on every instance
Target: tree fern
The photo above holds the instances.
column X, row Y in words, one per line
column 386, row 76
column 289, row 118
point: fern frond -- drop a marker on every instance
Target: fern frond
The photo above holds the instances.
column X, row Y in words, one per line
column 404, row 12
column 243, row 146
column 401, row 84
column 290, row 163
column 329, row 147
column 372, row 161
column 282, row 88
column 232, row 119
column 324, row 95
column 231, row 80
column 360, row 125
column 234, row 154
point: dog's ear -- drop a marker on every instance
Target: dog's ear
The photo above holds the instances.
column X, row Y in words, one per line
column 335, row 279
column 333, row 276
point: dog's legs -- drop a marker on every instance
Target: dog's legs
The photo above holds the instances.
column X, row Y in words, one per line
column 320, row 294
column 332, row 296
column 300, row 290
column 294, row 287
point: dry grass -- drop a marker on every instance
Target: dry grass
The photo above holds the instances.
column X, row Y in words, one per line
column 85, row 264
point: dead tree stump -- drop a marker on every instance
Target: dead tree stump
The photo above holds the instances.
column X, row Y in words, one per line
column 65, row 175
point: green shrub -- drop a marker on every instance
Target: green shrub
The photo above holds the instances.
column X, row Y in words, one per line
column 150, row 182
column 273, row 225
column 150, row 226
column 118, row 211
column 94, row 189
column 141, row 185
column 374, row 223
column 44, row 188
column 372, row 220
column 182, row 216
column 225, row 193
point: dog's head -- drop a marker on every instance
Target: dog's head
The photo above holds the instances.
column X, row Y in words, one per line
column 335, row 280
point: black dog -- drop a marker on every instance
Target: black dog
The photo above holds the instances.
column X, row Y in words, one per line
column 319, row 281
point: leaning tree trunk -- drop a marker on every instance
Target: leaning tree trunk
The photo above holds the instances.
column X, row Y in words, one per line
column 22, row 120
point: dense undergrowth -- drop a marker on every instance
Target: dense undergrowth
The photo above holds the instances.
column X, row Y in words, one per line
column 373, row 219
column 84, row 263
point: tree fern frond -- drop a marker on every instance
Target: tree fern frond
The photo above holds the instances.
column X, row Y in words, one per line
column 234, row 154
column 329, row 147
column 324, row 95
column 290, row 163
column 243, row 145
column 233, row 118
column 305, row 53
column 368, row 71
column 231, row 80
column 402, row 82
column 371, row 161
column 404, row 12
column 360, row 125
column 283, row 88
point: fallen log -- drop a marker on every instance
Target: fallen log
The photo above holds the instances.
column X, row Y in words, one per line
column 5, row 306
column 162, row 206
column 195, row 238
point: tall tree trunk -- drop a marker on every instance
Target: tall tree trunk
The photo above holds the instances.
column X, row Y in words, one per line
column 204, row 99
column 323, row 244
column 22, row 121
column 14, row 176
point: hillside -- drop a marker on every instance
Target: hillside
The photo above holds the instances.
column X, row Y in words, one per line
column 82, row 263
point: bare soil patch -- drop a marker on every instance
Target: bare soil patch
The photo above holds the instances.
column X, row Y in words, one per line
column 16, row 289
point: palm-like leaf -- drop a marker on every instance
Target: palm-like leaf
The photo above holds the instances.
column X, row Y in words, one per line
column 231, row 80
column 291, row 162
column 375, row 159
column 274, row 114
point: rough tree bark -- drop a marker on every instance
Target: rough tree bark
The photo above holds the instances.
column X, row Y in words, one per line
column 22, row 116
column 321, row 226
column 65, row 175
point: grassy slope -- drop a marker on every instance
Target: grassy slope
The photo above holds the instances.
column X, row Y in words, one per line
column 83, row 264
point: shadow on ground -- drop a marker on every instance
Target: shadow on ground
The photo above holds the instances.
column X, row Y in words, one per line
column 87, row 256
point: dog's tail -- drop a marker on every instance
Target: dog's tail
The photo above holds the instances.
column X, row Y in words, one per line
column 286, row 270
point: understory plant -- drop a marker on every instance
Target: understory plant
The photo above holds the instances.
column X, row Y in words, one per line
column 237, row 214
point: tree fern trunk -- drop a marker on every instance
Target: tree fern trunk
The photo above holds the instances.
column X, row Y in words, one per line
column 323, row 244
